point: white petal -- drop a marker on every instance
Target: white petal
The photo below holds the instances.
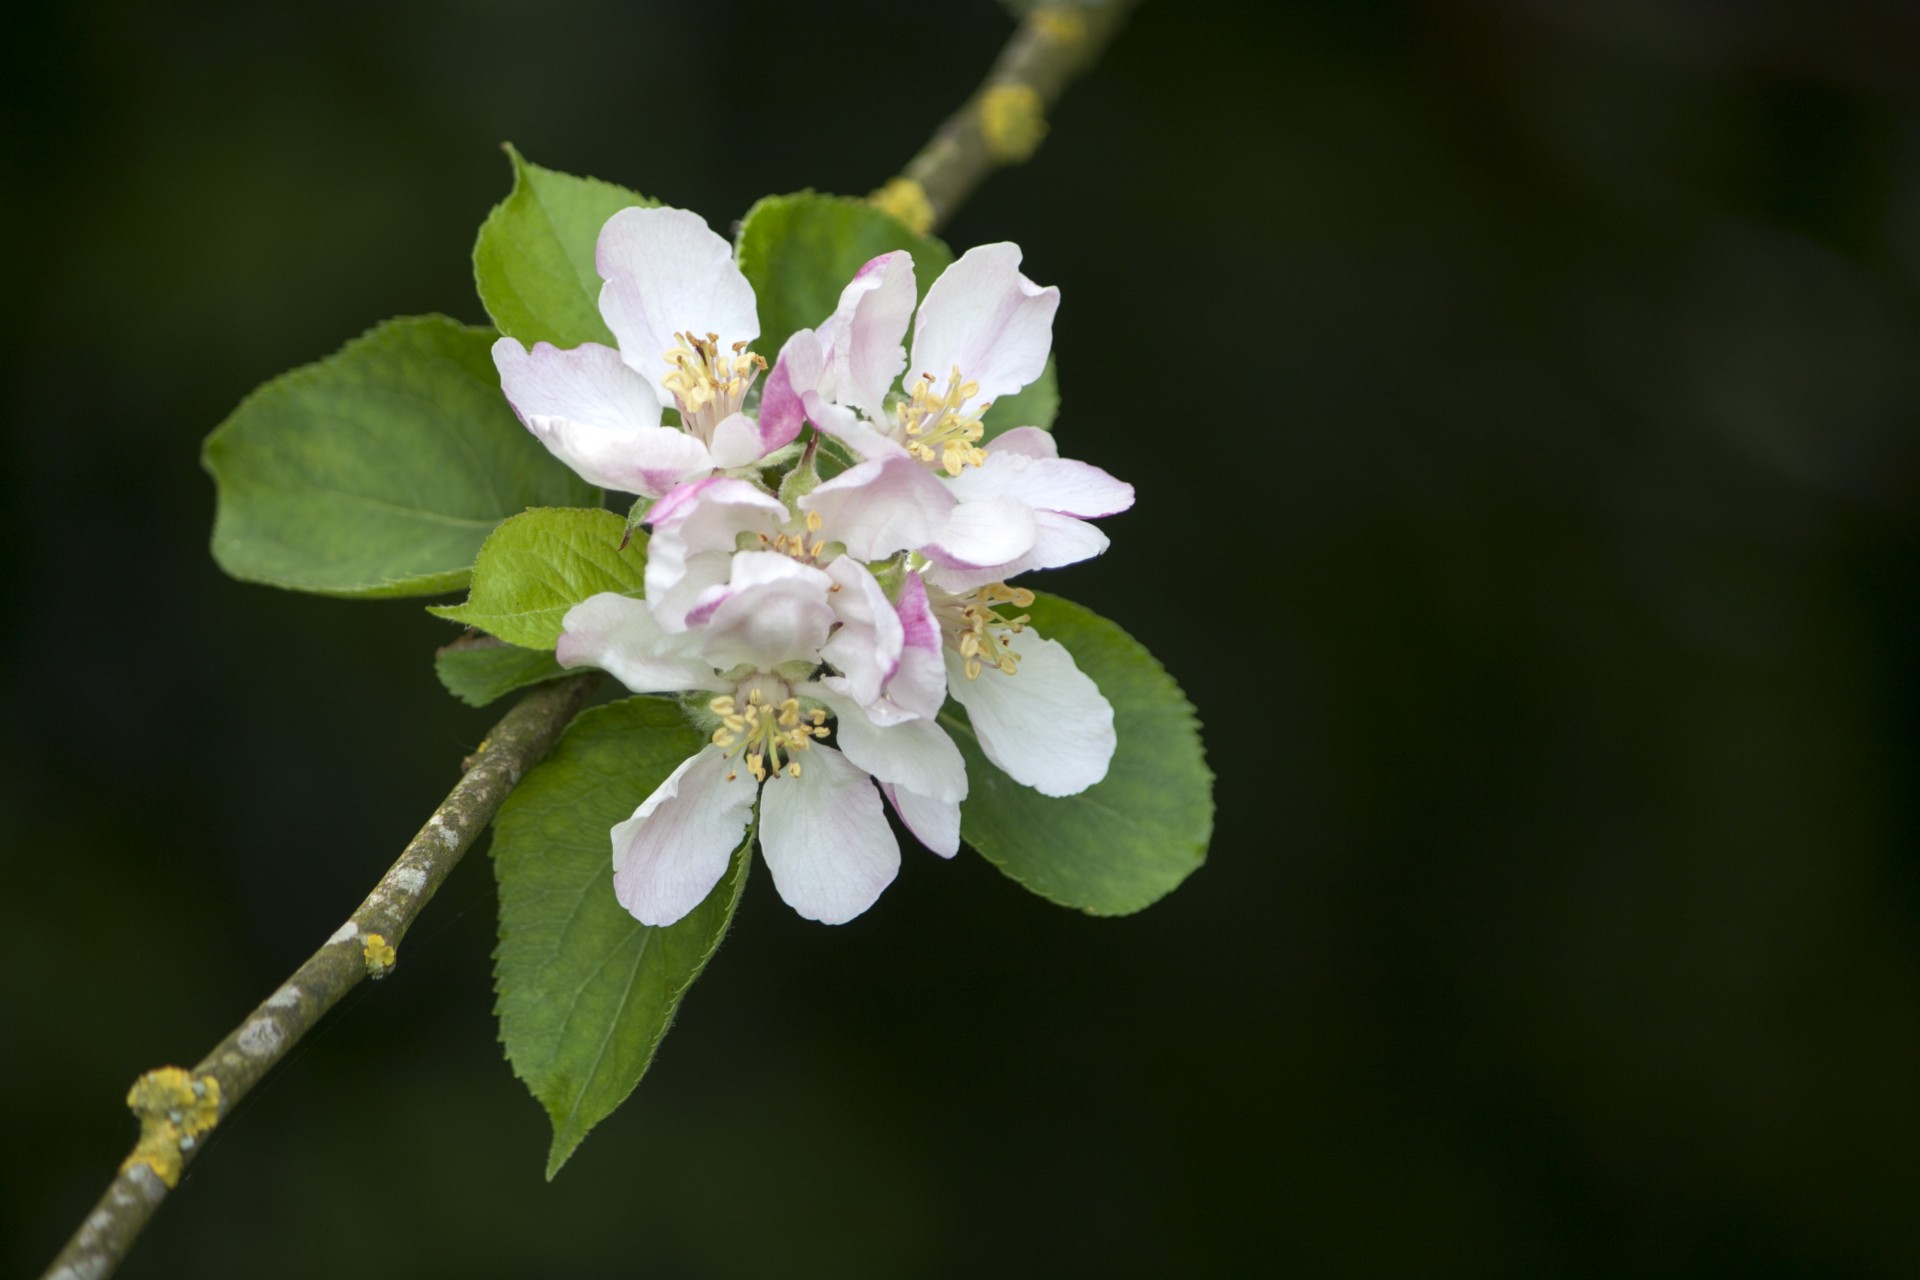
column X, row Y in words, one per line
column 736, row 443
column 983, row 534
column 916, row 754
column 667, row 273
column 919, row 686
column 866, row 646
column 1030, row 442
column 668, row 856
column 1048, row 727
column 826, row 838
column 597, row 416
column 1045, row 484
column 988, row 320
column 695, row 529
column 881, row 506
column 772, row 610
column 844, row 425
column 800, row 368
column 619, row 635
column 868, row 327
column 934, row 823
column 1058, row 540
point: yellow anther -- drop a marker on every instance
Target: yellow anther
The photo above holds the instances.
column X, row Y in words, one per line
column 905, row 199
column 1013, row 120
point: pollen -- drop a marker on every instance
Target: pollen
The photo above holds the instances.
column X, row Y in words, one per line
column 709, row 386
column 940, row 428
column 763, row 734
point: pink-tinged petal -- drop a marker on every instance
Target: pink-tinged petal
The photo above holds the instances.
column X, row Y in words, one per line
column 844, row 425
column 988, row 320
column 597, row 416
column 667, row 273
column 1058, row 541
column 668, row 856
column 695, row 529
column 736, row 442
column 1048, row 727
column 1045, row 484
column 866, row 646
column 868, row 328
column 618, row 634
column 773, row 609
column 915, row 754
column 1030, row 442
column 826, row 838
column 800, row 368
column 983, row 534
column 934, row 823
column 919, row 687
column 881, row 506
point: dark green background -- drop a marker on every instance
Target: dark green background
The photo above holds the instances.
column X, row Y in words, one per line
column 1524, row 400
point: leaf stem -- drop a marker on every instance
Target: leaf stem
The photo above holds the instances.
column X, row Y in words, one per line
column 177, row 1108
column 1006, row 117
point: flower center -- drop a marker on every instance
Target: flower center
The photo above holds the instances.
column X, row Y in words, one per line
column 709, row 387
column 806, row 545
column 767, row 735
column 973, row 624
column 939, row 428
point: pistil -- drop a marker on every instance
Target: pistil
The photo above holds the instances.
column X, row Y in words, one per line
column 974, row 626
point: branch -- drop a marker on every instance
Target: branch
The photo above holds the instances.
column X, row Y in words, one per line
column 1004, row 120
column 176, row 1108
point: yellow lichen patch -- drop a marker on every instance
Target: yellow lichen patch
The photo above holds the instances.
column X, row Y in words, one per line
column 174, row 1109
column 1013, row 120
column 906, row 200
column 379, row 956
column 1062, row 26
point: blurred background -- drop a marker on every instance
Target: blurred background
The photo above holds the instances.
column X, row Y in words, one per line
column 1524, row 401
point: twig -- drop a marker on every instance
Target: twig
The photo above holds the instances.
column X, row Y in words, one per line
column 1006, row 117
column 177, row 1107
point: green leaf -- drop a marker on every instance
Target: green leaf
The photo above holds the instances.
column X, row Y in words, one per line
column 480, row 669
column 1034, row 405
column 586, row 991
column 533, row 260
column 380, row 470
column 540, row 564
column 1127, row 841
column 800, row 251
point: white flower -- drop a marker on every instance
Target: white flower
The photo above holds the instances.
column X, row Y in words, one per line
column 983, row 332
column 753, row 641
column 684, row 317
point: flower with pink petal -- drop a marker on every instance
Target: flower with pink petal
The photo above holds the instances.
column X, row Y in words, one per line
column 984, row 331
column 684, row 317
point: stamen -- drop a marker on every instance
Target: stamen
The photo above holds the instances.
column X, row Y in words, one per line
column 708, row 387
column 939, row 427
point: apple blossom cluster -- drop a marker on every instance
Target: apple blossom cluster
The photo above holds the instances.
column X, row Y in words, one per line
column 816, row 626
